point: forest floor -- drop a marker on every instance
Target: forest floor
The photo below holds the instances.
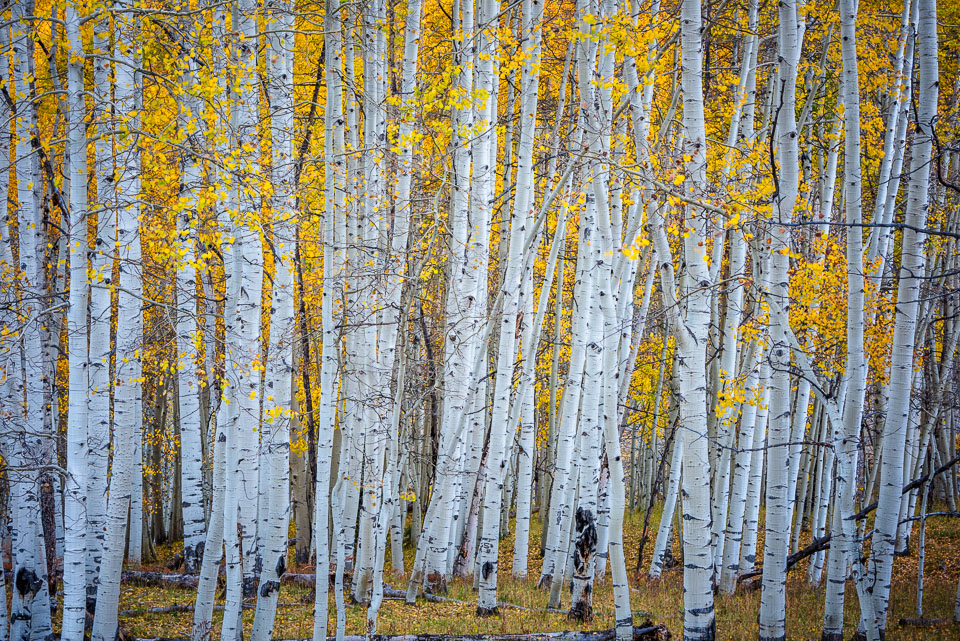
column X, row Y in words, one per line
column 660, row 601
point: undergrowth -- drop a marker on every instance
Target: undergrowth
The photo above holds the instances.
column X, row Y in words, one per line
column 661, row 601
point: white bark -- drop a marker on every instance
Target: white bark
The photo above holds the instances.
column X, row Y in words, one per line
column 334, row 185
column 776, row 283
column 75, row 484
column 529, row 93
column 213, row 544
column 10, row 375
column 189, row 332
column 461, row 303
column 911, row 273
column 278, row 401
column 888, row 175
column 499, row 445
column 100, row 352
column 730, row 561
column 751, row 518
column 691, row 332
column 527, row 452
column 129, row 332
column 30, row 607
column 564, row 476
column 250, row 348
column 669, row 510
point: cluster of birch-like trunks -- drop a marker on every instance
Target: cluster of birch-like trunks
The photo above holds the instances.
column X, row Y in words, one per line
column 432, row 438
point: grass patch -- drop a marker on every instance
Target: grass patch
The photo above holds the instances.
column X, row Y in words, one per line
column 736, row 615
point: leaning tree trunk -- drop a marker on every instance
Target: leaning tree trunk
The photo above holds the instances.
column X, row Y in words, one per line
column 529, row 92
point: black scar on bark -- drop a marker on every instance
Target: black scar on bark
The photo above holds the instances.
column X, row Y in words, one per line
column 269, row 587
column 27, row 583
column 583, row 553
column 487, row 570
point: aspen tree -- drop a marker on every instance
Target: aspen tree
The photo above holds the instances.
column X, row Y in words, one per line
column 127, row 394
column 231, row 247
column 730, row 560
column 101, row 312
column 775, row 282
column 75, row 484
column 187, row 323
column 213, row 544
column 10, row 382
column 733, row 312
column 278, row 404
column 29, row 605
column 691, row 335
column 249, row 232
column 911, row 271
column 461, row 295
column 334, row 192
column 531, row 17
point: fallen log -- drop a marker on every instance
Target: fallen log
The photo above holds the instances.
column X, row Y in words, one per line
column 164, row 579
column 190, row 581
column 186, row 607
column 389, row 592
column 922, row 623
column 645, row 633
column 392, row 593
column 169, row 609
column 300, row 580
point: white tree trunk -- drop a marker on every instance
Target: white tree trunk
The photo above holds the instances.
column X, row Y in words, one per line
column 100, row 352
column 461, row 304
column 669, row 510
column 730, row 561
column 129, row 332
column 772, row 615
column 911, row 273
column 188, row 339
column 334, row 185
column 278, row 402
column 250, row 347
column 691, row 332
column 30, row 606
column 75, row 484
column 213, row 543
column 751, row 518
column 191, row 378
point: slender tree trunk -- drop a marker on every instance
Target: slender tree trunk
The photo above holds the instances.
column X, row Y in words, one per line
column 777, row 282
column 75, row 484
column 213, row 543
column 99, row 348
column 911, row 273
column 129, row 333
column 189, row 336
column 278, row 402
column 730, row 561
